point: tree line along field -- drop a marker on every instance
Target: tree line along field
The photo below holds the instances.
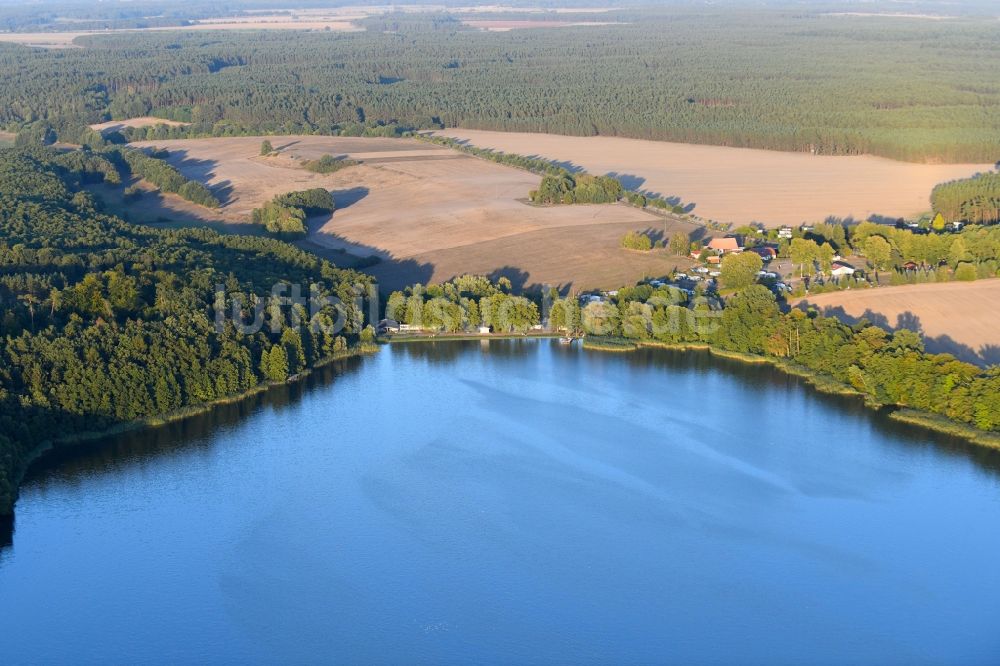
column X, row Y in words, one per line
column 952, row 317
column 744, row 186
column 784, row 79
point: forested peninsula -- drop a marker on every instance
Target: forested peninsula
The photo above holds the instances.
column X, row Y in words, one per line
column 106, row 324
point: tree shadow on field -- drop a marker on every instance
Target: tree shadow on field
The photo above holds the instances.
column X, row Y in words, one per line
column 519, row 281
column 985, row 356
column 197, row 169
column 884, row 219
column 655, row 235
column 346, row 198
column 697, row 235
column 518, row 277
column 562, row 164
column 629, row 181
column 671, row 199
column 223, row 191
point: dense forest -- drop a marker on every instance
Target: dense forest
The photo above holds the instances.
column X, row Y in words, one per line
column 103, row 322
column 973, row 200
column 786, row 79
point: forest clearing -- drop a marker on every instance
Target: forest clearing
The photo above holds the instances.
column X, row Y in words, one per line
column 742, row 185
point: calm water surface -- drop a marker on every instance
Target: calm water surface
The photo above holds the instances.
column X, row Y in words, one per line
column 513, row 502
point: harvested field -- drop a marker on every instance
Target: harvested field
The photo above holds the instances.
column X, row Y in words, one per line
column 144, row 121
column 63, row 40
column 335, row 25
column 960, row 318
column 48, row 40
column 498, row 25
column 742, row 185
column 428, row 212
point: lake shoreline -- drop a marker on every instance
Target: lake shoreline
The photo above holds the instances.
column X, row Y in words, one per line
column 827, row 385
column 932, row 422
column 46, row 447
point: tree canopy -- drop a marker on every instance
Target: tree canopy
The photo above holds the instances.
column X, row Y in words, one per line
column 103, row 322
column 787, row 80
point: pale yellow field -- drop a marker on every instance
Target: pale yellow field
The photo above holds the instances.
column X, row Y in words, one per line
column 961, row 318
column 49, row 40
column 742, row 185
column 144, row 121
column 497, row 25
column 429, row 212
column 56, row 40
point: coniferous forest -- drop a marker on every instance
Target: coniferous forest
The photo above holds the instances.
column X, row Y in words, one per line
column 778, row 77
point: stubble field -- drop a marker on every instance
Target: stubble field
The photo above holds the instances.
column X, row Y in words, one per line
column 961, row 318
column 742, row 185
column 429, row 213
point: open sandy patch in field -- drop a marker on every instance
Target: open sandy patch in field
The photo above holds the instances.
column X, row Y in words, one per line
column 144, row 121
column 285, row 24
column 500, row 25
column 960, row 318
column 429, row 212
column 742, row 185
column 48, row 40
column 63, row 40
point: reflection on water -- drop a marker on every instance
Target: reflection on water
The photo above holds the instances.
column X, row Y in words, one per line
column 195, row 431
column 512, row 501
column 141, row 447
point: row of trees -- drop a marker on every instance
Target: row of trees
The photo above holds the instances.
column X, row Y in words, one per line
column 538, row 165
column 465, row 303
column 168, row 179
column 561, row 185
column 103, row 322
column 578, row 188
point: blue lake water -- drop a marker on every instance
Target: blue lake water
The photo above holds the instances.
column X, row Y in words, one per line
column 513, row 502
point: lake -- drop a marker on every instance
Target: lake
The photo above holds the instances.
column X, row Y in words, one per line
column 512, row 502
